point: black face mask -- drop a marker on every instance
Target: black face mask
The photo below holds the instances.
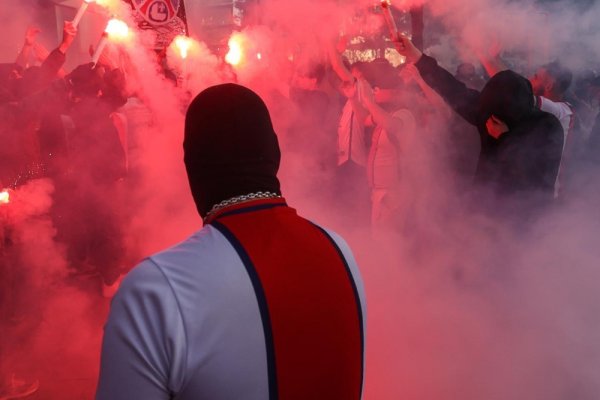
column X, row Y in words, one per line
column 230, row 146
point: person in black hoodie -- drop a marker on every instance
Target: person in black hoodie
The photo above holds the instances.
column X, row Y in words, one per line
column 521, row 146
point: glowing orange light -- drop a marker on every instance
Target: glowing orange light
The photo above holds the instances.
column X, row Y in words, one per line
column 236, row 53
column 106, row 3
column 4, row 197
column 117, row 29
column 183, row 44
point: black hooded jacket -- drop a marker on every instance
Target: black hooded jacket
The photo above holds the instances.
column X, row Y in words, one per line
column 524, row 159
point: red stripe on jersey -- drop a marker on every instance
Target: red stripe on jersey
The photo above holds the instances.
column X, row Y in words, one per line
column 314, row 312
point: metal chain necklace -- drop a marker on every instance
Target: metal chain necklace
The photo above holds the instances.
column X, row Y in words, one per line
column 240, row 199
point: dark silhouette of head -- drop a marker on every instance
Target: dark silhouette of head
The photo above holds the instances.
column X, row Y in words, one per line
column 507, row 96
column 552, row 81
column 230, row 146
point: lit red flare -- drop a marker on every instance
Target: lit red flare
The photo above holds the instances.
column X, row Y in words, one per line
column 236, row 52
column 81, row 11
column 4, row 197
column 110, row 4
column 117, row 31
column 183, row 44
column 386, row 5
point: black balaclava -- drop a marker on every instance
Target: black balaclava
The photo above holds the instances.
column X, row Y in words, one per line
column 230, row 146
column 508, row 96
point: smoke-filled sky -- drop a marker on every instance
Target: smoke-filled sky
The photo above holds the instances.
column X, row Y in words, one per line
column 462, row 304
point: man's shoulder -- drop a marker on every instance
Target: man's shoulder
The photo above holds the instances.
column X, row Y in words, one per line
column 204, row 246
column 549, row 121
column 201, row 241
column 337, row 241
column 541, row 119
column 546, row 127
column 202, row 257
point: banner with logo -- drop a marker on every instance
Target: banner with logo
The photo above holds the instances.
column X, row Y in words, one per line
column 166, row 17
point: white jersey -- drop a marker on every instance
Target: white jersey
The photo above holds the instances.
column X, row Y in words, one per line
column 384, row 169
column 384, row 157
column 216, row 316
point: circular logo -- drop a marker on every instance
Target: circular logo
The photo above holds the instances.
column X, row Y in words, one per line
column 157, row 12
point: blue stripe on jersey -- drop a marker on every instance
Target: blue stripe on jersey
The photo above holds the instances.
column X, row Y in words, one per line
column 262, row 304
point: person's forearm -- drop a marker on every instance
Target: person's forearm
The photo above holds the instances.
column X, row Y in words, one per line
column 53, row 63
column 382, row 118
column 463, row 100
column 433, row 98
column 63, row 47
column 338, row 66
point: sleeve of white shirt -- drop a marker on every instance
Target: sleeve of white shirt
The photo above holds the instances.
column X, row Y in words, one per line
column 560, row 110
column 143, row 350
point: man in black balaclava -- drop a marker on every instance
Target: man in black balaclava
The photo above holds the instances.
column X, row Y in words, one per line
column 230, row 146
column 258, row 304
column 521, row 146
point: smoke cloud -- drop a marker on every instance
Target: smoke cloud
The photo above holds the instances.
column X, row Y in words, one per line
column 463, row 301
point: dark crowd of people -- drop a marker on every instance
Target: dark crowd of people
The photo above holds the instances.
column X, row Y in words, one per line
column 534, row 140
column 521, row 142
column 61, row 127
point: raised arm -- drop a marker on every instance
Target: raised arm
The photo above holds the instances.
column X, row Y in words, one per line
column 463, row 100
column 411, row 73
column 23, row 57
column 69, row 33
column 337, row 62
column 57, row 57
column 41, row 54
